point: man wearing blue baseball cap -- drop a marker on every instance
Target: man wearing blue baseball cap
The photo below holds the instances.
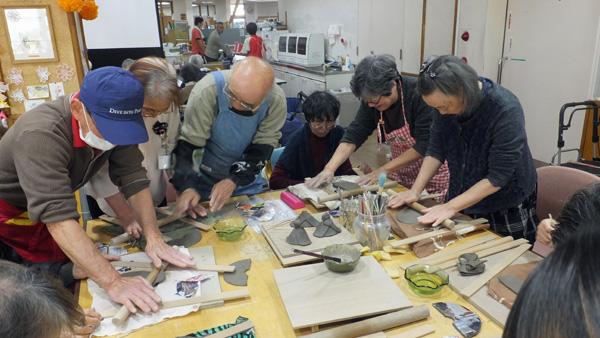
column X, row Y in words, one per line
column 52, row 151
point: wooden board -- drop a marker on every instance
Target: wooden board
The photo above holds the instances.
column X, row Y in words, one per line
column 204, row 255
column 481, row 300
column 314, row 296
column 276, row 232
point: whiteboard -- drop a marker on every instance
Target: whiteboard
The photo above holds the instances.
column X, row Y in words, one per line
column 123, row 24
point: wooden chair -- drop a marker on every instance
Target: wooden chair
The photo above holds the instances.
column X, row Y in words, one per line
column 556, row 185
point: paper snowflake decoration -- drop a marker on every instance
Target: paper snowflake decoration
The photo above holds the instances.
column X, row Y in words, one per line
column 15, row 76
column 43, row 73
column 13, row 15
column 3, row 87
column 18, row 95
column 64, row 72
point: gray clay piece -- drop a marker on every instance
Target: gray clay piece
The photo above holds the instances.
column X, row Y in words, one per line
column 238, row 277
column 188, row 239
column 408, row 216
column 469, row 264
column 326, row 228
column 512, row 282
column 346, row 185
column 298, row 236
column 305, row 220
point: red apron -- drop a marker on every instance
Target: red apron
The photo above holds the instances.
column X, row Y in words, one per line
column 400, row 141
column 30, row 239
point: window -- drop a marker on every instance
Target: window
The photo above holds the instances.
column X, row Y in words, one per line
column 165, row 8
column 239, row 18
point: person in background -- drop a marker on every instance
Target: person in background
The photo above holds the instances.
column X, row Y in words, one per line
column 309, row 148
column 189, row 75
column 253, row 45
column 582, row 208
column 390, row 104
column 197, row 41
column 26, row 293
column 561, row 296
column 215, row 43
column 162, row 122
column 50, row 153
column 479, row 128
column 232, row 122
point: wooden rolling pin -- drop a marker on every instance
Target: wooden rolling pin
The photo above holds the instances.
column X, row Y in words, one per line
column 479, row 247
column 459, row 230
column 149, row 266
column 450, row 224
column 375, row 324
column 125, row 236
column 357, row 191
column 121, row 317
column 203, row 299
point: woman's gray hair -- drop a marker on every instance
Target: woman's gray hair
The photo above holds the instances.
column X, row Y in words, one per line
column 35, row 305
column 158, row 78
column 375, row 75
column 452, row 76
column 196, row 60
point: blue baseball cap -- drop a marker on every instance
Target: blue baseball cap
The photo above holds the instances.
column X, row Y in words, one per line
column 114, row 97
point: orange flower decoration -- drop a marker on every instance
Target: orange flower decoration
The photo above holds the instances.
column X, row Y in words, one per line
column 70, row 5
column 89, row 10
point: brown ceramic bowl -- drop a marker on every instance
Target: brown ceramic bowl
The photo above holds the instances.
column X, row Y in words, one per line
column 348, row 253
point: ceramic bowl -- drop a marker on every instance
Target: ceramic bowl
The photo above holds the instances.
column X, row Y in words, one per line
column 349, row 255
column 426, row 279
column 230, row 228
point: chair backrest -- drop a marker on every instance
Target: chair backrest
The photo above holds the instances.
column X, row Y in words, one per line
column 271, row 164
column 556, row 185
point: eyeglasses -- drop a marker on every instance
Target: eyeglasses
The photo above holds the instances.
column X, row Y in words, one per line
column 232, row 97
column 323, row 125
column 151, row 112
column 374, row 102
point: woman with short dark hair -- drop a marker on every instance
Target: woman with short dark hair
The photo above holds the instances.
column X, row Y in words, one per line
column 390, row 104
column 479, row 129
column 310, row 148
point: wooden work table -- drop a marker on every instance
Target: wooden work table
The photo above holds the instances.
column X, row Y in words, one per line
column 264, row 306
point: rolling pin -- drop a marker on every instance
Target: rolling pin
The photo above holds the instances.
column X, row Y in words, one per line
column 419, row 207
column 125, row 236
column 357, row 191
column 121, row 316
column 375, row 324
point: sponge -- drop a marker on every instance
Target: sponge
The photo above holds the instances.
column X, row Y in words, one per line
column 291, row 200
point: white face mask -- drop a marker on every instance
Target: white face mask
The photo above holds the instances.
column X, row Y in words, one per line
column 91, row 139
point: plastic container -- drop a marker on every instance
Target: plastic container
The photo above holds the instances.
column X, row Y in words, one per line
column 230, row 228
column 426, row 279
column 372, row 231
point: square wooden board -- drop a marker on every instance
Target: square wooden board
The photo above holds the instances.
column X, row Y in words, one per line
column 276, row 232
column 314, row 296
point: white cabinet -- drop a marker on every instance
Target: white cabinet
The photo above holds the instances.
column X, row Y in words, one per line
column 310, row 80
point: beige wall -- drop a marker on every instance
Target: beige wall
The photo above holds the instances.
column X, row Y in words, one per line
column 64, row 46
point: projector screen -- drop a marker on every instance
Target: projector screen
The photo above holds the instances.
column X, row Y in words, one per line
column 123, row 24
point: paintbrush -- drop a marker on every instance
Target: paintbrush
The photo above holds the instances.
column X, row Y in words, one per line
column 382, row 179
column 335, row 259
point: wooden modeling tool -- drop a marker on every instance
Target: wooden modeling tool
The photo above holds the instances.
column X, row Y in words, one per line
column 335, row 259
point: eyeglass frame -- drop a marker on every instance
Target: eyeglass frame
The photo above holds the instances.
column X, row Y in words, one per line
column 246, row 105
column 325, row 127
column 154, row 112
column 371, row 101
